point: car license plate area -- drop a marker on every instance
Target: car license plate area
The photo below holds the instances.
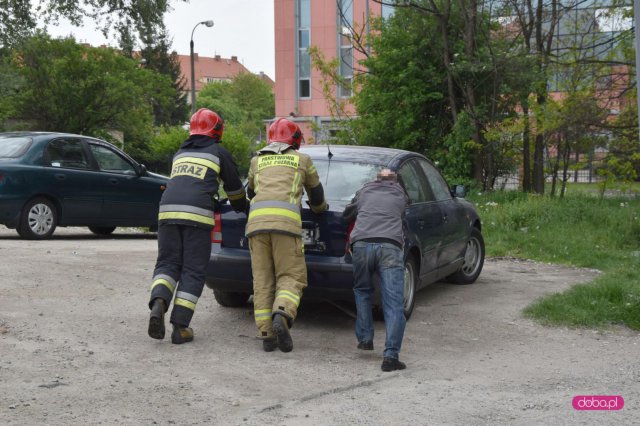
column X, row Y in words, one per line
column 310, row 236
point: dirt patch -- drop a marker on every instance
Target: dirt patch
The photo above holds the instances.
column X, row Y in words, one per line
column 74, row 350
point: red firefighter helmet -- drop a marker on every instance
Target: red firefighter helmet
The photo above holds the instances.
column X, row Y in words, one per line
column 283, row 130
column 208, row 123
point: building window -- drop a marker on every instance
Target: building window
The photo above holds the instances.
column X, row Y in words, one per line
column 304, row 41
column 345, row 25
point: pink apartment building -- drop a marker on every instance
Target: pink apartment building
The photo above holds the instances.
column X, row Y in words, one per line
column 300, row 24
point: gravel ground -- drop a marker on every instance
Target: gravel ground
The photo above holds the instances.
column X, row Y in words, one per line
column 74, row 350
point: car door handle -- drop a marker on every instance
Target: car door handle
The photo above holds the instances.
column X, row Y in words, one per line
column 114, row 181
column 60, row 176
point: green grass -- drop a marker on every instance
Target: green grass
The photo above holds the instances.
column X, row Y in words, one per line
column 578, row 230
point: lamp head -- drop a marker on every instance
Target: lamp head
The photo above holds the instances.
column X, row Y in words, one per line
column 208, row 23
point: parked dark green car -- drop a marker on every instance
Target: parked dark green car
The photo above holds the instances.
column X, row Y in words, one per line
column 56, row 179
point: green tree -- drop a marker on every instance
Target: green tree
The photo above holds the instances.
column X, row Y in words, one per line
column 439, row 78
column 402, row 101
column 217, row 97
column 78, row 89
column 125, row 18
column 246, row 102
column 155, row 55
column 10, row 84
column 256, row 100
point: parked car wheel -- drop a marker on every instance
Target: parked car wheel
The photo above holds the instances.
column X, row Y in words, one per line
column 410, row 285
column 38, row 219
column 102, row 230
column 230, row 299
column 473, row 260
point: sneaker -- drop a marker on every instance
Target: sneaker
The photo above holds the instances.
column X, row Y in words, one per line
column 281, row 328
column 392, row 364
column 156, row 319
column 365, row 346
column 269, row 345
column 181, row 335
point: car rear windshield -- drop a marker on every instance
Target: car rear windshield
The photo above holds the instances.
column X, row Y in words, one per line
column 13, row 147
column 341, row 179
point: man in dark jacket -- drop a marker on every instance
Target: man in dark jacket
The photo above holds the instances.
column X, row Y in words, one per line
column 185, row 223
column 377, row 241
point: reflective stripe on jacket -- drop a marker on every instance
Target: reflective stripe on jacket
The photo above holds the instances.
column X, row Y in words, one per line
column 195, row 173
column 277, row 177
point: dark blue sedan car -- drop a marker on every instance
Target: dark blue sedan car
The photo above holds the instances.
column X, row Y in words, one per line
column 443, row 239
column 56, row 179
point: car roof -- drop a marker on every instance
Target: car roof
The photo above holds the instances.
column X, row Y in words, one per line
column 50, row 135
column 362, row 154
column 45, row 136
column 33, row 134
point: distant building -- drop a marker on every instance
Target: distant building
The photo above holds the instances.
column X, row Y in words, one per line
column 209, row 70
column 300, row 24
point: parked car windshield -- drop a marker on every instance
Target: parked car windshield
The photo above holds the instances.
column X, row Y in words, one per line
column 13, row 147
column 341, row 179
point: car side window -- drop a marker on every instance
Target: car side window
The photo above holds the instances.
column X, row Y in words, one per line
column 415, row 183
column 110, row 161
column 67, row 153
column 437, row 182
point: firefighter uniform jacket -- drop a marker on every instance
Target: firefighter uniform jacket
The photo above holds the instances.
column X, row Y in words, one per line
column 277, row 177
column 197, row 168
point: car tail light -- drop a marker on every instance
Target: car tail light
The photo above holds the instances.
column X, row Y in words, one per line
column 1, row 178
column 216, row 233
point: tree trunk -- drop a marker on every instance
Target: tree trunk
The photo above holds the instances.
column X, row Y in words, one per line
column 565, row 166
column 526, row 149
column 443, row 19
column 538, row 155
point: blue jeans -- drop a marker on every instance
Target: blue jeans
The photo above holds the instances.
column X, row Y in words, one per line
column 387, row 260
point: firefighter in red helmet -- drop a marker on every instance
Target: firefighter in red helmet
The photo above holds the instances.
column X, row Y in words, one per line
column 185, row 223
column 277, row 177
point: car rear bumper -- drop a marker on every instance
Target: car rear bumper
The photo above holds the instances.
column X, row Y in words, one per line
column 328, row 277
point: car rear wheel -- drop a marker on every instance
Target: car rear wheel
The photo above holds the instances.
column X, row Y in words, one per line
column 102, row 230
column 230, row 299
column 473, row 260
column 410, row 286
column 38, row 219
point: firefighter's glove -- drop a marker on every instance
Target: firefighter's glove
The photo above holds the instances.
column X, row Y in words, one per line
column 311, row 208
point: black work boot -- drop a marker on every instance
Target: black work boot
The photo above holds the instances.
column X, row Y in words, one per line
column 365, row 346
column 181, row 335
column 269, row 345
column 281, row 328
column 156, row 319
column 392, row 364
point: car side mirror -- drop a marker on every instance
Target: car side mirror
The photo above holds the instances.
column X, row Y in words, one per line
column 459, row 191
column 142, row 170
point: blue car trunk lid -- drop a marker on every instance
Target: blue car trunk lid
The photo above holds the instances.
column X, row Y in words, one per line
column 324, row 234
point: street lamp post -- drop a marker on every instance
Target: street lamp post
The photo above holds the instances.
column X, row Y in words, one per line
column 208, row 23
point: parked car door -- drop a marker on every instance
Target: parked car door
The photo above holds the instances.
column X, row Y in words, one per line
column 129, row 199
column 423, row 216
column 453, row 228
column 68, row 174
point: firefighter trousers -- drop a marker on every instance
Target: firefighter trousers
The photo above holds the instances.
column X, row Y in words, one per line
column 183, row 254
column 279, row 276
